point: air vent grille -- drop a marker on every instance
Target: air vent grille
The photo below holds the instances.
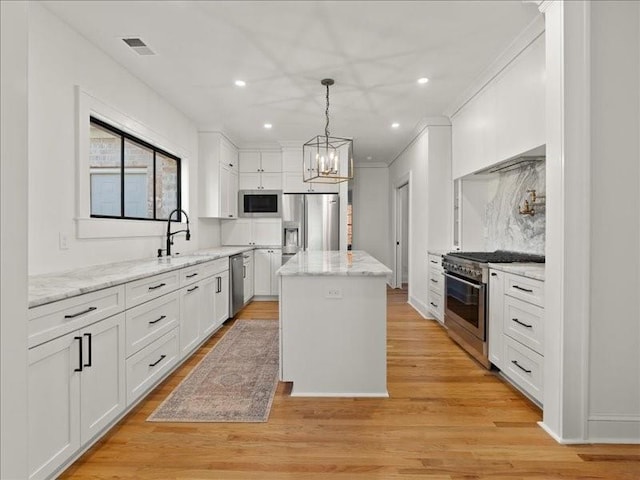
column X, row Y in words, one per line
column 138, row 46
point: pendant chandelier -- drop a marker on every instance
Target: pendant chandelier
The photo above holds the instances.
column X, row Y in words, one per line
column 327, row 159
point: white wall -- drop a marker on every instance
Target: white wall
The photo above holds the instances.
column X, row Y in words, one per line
column 404, row 195
column 13, row 239
column 371, row 211
column 614, row 354
column 59, row 60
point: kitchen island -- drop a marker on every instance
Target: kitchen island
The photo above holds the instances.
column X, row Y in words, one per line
column 333, row 324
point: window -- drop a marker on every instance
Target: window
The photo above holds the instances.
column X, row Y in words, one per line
column 129, row 178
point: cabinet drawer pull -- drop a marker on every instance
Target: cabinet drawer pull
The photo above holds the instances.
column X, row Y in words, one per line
column 155, row 287
column 88, row 335
column 162, row 357
column 244, row 271
column 74, row 315
column 193, row 289
column 162, row 317
column 434, row 280
column 523, row 289
column 515, row 362
column 192, row 275
column 79, row 369
column 433, row 304
column 433, row 261
column 219, row 284
column 494, row 274
column 520, row 323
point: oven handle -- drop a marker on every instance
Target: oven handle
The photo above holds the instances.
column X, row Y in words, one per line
column 477, row 287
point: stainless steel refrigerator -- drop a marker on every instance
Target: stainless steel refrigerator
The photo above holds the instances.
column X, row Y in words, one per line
column 310, row 221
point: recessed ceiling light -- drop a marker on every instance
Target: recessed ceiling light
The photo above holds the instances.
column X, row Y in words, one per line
column 267, row 126
column 240, row 83
column 423, row 80
column 395, row 125
column 369, row 157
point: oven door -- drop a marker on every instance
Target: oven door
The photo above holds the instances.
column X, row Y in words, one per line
column 465, row 304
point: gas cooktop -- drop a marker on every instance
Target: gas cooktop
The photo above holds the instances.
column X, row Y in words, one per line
column 499, row 256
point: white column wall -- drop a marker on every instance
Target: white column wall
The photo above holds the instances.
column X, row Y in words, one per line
column 59, row 60
column 13, row 239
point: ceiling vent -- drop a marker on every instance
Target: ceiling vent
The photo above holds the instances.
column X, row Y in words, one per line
column 138, row 46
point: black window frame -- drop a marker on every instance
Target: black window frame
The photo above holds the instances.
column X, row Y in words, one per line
column 127, row 136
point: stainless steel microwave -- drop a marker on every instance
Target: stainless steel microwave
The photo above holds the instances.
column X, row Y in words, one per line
column 260, row 203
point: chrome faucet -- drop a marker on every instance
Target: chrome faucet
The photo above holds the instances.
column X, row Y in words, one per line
column 170, row 234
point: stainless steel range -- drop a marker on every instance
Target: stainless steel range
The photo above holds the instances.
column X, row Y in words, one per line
column 466, row 292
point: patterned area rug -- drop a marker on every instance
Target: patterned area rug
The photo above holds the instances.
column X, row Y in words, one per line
column 234, row 382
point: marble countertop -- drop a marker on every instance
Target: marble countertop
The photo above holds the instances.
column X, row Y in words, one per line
column 52, row 287
column 530, row 270
column 438, row 252
column 340, row 263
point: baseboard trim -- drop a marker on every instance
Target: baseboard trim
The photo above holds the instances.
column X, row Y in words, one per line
column 559, row 439
column 339, row 395
column 419, row 307
column 614, row 429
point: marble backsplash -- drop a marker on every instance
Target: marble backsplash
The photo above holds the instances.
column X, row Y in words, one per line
column 505, row 228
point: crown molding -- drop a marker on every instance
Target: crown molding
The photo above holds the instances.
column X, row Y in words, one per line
column 515, row 48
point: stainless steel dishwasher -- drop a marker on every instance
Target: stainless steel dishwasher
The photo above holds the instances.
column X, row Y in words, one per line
column 237, row 283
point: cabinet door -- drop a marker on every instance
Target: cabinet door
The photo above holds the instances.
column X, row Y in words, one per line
column 208, row 320
column 262, row 273
column 236, row 232
column 249, row 162
column 53, row 404
column 325, row 187
column 271, row 181
column 228, row 155
column 267, row 231
column 496, row 314
column 276, row 262
column 249, row 181
column 232, row 195
column 248, row 279
column 190, row 304
column 225, row 181
column 222, row 297
column 102, row 382
column 293, row 183
column 272, row 162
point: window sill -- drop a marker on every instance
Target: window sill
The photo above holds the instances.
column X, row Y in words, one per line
column 116, row 228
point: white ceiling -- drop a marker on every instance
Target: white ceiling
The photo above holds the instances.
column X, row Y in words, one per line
column 375, row 50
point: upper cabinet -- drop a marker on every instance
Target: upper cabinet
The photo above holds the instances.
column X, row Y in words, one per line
column 218, row 176
column 260, row 170
column 506, row 118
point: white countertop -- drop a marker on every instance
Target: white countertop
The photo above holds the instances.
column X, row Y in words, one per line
column 438, row 252
column 52, row 287
column 340, row 263
column 530, row 270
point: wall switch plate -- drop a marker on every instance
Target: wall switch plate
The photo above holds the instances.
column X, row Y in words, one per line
column 332, row 292
column 63, row 239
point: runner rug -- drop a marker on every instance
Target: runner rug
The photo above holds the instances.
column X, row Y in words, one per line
column 234, row 382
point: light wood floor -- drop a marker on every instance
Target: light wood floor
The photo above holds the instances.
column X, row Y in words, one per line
column 446, row 418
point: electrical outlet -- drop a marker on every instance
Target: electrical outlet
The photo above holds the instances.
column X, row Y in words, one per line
column 333, row 292
column 63, row 240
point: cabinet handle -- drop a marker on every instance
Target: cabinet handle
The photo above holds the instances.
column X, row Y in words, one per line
column 74, row 315
column 162, row 317
column 79, row 369
column 244, row 271
column 219, row 284
column 520, row 323
column 162, row 357
column 193, row 289
column 515, row 362
column 494, row 274
column 523, row 289
column 434, row 280
column 433, row 261
column 192, row 275
column 433, row 304
column 88, row 335
column 231, row 164
column 155, row 287
column 230, row 216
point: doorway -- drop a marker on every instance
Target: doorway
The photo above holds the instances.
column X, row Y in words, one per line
column 402, row 238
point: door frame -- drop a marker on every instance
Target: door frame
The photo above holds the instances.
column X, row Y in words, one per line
column 398, row 243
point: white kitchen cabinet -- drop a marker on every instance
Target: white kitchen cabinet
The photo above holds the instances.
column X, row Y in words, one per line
column 76, row 388
column 293, row 183
column 221, row 301
column 495, row 320
column 207, row 319
column 435, row 295
column 252, row 231
column 191, row 301
column 267, row 262
column 252, row 161
column 218, row 176
column 248, row 275
column 260, row 181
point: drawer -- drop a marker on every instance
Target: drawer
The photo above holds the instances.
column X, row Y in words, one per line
column 435, row 261
column 527, row 289
column 216, row 266
column 191, row 275
column 52, row 320
column 149, row 365
column 247, row 257
column 524, row 322
column 436, row 304
column 436, row 281
column 149, row 321
column 524, row 367
column 149, row 288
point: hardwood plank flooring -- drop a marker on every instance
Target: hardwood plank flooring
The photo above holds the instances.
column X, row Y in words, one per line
column 446, row 418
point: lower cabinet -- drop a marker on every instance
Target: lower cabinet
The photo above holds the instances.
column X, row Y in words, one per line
column 436, row 287
column 496, row 313
column 267, row 263
column 248, row 275
column 221, row 300
column 191, row 301
column 76, row 388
